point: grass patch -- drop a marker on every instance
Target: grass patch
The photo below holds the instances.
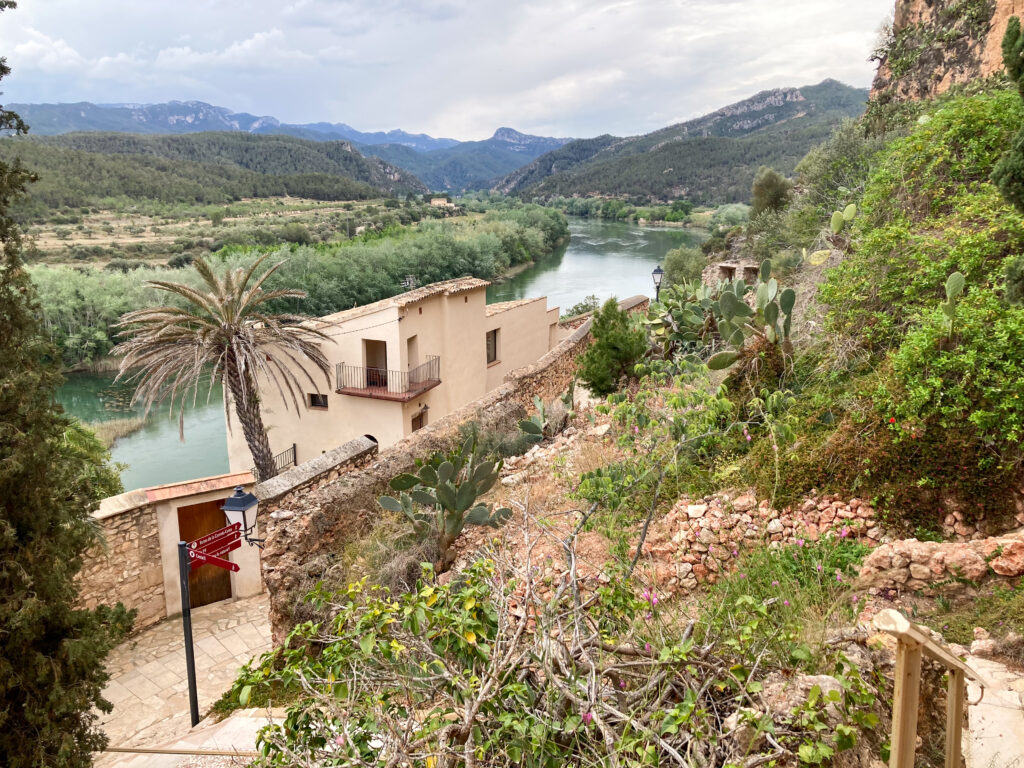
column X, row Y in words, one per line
column 109, row 432
column 997, row 608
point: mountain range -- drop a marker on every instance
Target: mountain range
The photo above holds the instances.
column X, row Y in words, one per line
column 709, row 159
column 198, row 116
column 440, row 163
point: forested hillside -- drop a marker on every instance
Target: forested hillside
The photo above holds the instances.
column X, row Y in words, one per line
column 79, row 169
column 712, row 159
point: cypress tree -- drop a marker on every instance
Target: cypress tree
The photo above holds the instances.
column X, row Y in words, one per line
column 52, row 474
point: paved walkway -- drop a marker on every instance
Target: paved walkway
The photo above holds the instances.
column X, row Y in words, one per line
column 995, row 732
column 148, row 686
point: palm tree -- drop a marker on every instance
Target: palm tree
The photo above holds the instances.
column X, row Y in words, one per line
column 225, row 332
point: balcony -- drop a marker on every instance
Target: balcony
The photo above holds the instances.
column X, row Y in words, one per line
column 382, row 384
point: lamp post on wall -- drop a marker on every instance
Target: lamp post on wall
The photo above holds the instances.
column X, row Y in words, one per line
column 240, row 501
column 656, row 275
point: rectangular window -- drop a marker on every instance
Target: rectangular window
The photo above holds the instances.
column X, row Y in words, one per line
column 492, row 346
column 419, row 420
column 317, row 400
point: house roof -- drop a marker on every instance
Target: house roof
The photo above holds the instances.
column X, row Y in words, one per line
column 505, row 306
column 444, row 288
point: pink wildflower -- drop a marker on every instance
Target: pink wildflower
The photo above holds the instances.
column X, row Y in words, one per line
column 839, row 577
column 775, row 583
column 845, row 532
column 588, row 717
column 785, row 603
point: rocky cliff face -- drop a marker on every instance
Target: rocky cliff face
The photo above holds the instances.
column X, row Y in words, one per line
column 936, row 44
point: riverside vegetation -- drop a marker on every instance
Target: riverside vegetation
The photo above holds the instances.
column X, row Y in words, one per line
column 79, row 306
column 878, row 356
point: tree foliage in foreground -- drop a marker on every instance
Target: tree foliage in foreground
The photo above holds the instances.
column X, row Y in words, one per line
column 52, row 474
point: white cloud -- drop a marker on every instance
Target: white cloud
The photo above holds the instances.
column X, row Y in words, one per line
column 46, row 54
column 449, row 67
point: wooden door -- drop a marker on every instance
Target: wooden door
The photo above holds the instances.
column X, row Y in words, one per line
column 208, row 583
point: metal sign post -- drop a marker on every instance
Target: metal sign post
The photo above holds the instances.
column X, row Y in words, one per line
column 184, row 568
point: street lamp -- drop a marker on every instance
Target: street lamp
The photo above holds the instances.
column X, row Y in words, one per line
column 240, row 501
column 656, row 275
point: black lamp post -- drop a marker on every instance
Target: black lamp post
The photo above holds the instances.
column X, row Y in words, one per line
column 240, row 501
column 656, row 275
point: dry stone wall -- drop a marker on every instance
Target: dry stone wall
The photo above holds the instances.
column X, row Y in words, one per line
column 127, row 568
column 310, row 524
column 930, row 566
column 699, row 539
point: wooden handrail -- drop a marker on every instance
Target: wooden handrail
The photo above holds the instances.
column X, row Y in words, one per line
column 913, row 641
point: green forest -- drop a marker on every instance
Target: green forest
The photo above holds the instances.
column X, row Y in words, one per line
column 83, row 169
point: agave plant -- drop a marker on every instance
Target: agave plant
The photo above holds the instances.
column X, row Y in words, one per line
column 441, row 498
column 224, row 333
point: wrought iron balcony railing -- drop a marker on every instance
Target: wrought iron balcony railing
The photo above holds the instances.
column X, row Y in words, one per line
column 385, row 384
column 282, row 461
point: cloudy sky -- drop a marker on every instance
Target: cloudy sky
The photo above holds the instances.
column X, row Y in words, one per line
column 457, row 68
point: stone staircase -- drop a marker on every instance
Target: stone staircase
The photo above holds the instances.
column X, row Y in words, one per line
column 234, row 733
column 995, row 725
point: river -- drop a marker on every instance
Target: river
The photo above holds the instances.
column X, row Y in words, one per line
column 602, row 258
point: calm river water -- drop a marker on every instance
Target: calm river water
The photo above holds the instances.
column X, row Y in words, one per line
column 602, row 258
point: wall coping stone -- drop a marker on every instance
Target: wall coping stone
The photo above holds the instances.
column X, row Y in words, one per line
column 123, row 502
column 308, row 471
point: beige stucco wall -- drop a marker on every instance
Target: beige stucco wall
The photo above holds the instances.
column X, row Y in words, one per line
column 452, row 327
column 524, row 336
column 245, row 583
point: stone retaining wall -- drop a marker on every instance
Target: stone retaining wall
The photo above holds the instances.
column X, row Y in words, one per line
column 931, row 566
column 697, row 540
column 127, row 568
column 308, row 525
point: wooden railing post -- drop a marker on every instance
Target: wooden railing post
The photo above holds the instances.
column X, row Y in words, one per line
column 955, row 695
column 904, row 708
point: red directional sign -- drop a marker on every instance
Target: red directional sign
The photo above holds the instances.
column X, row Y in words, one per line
column 198, row 559
column 212, row 541
column 221, row 549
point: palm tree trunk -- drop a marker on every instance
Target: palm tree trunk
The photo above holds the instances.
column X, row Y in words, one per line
column 247, row 407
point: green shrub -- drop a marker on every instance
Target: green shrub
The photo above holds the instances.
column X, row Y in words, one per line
column 973, row 384
column 618, row 344
column 683, row 264
column 770, row 192
column 928, row 210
